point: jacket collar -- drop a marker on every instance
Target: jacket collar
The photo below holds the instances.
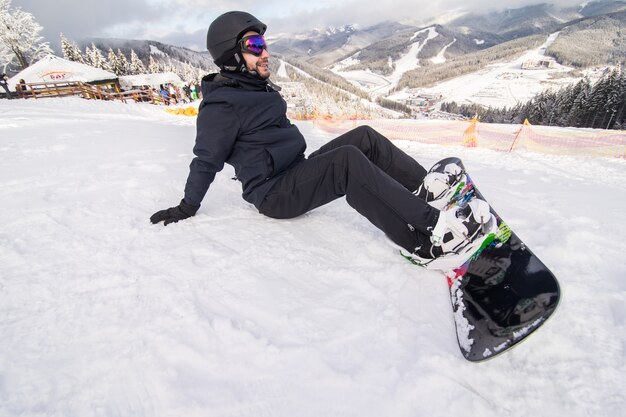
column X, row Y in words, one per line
column 247, row 81
column 244, row 81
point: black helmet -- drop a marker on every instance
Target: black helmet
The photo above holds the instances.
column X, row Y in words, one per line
column 225, row 32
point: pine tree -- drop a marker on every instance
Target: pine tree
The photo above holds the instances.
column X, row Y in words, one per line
column 168, row 67
column 97, row 59
column 71, row 51
column 77, row 53
column 577, row 100
column 124, row 65
column 68, row 49
column 88, row 56
column 114, row 63
column 153, row 66
column 620, row 117
column 596, row 103
column 189, row 72
column 614, row 99
column 566, row 103
column 136, row 66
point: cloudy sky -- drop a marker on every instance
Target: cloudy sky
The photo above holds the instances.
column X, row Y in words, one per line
column 184, row 22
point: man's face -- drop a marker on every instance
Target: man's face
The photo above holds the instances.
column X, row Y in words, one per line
column 257, row 63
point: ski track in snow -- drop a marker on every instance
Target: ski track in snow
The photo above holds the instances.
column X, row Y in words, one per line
column 441, row 58
column 233, row 314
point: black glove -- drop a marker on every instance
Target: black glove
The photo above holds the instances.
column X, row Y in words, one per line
column 174, row 214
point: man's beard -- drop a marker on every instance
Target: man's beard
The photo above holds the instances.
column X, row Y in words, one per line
column 262, row 72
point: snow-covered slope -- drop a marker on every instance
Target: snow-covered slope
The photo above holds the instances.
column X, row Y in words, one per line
column 233, row 314
column 505, row 84
column 497, row 85
column 378, row 84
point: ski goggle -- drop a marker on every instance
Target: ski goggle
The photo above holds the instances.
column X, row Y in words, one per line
column 254, row 44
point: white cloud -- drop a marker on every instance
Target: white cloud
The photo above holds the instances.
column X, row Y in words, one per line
column 365, row 13
column 186, row 21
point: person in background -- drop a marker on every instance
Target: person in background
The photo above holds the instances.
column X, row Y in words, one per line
column 164, row 95
column 21, row 88
column 172, row 92
column 194, row 93
column 187, row 91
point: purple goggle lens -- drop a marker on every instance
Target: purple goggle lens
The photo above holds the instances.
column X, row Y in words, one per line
column 254, row 44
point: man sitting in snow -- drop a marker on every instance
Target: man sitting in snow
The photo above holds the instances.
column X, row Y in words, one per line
column 242, row 121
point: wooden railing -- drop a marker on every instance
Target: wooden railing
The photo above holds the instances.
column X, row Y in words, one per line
column 88, row 91
column 148, row 96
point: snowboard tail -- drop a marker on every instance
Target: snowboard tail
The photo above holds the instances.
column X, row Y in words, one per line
column 502, row 293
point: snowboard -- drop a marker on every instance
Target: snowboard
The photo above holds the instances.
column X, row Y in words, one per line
column 503, row 292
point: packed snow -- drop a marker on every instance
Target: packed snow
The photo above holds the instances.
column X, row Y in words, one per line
column 230, row 313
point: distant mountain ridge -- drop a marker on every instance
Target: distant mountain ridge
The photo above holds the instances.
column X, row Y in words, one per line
column 471, row 30
column 324, row 47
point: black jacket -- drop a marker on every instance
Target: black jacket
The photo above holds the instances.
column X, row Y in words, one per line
column 242, row 121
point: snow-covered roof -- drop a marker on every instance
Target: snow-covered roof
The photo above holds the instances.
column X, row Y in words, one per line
column 153, row 80
column 55, row 69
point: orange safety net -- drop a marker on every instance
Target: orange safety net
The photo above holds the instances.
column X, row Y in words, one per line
column 500, row 137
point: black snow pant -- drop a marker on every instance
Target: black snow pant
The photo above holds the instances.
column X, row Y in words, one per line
column 377, row 178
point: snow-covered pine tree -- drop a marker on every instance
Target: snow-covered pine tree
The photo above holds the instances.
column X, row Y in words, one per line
column 620, row 116
column 88, row 56
column 20, row 42
column 78, row 53
column 136, row 66
column 168, row 66
column 177, row 69
column 67, row 49
column 114, row 63
column 97, row 59
column 124, row 65
column 613, row 99
column 596, row 103
column 153, row 66
column 189, row 72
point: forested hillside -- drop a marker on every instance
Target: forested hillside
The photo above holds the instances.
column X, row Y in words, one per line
column 595, row 41
column 599, row 105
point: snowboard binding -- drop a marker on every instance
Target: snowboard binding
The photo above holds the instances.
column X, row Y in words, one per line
column 460, row 232
column 441, row 184
column 465, row 222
